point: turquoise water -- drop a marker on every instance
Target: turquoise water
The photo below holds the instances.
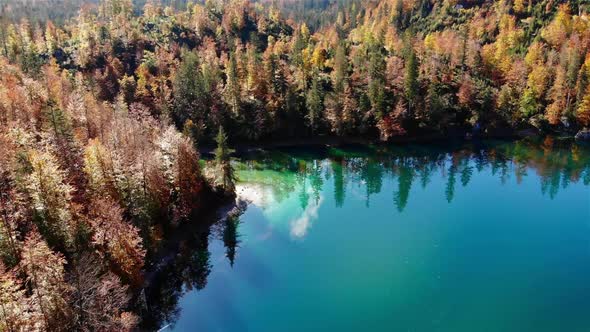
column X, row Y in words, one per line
column 471, row 237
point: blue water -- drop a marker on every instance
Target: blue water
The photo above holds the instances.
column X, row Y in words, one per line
column 487, row 237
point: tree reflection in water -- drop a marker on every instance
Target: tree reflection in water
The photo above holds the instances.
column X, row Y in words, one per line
column 230, row 237
column 184, row 271
column 556, row 164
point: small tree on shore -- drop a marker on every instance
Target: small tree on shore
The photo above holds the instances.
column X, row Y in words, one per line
column 226, row 177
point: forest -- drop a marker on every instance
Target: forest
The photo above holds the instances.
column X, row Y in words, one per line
column 104, row 111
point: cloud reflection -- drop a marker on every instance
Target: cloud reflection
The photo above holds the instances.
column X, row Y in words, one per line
column 263, row 196
column 257, row 194
column 301, row 225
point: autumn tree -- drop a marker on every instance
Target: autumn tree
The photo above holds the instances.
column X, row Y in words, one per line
column 15, row 311
column 560, row 27
column 188, row 178
column 50, row 197
column 391, row 125
column 116, row 239
column 98, row 298
column 45, row 274
column 99, row 168
column 583, row 111
column 13, row 206
column 558, row 97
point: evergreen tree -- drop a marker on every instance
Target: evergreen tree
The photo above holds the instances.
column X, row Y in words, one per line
column 231, row 237
column 338, row 167
column 190, row 93
column 405, row 179
column 31, row 60
column 340, row 69
column 232, row 86
column 314, row 104
column 529, row 105
column 226, row 171
column 276, row 87
column 411, row 75
column 376, row 87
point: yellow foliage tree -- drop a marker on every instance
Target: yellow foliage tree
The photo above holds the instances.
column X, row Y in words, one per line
column 558, row 30
column 51, row 197
column 583, row 111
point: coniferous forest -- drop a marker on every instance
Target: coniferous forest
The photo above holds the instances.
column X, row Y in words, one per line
column 105, row 107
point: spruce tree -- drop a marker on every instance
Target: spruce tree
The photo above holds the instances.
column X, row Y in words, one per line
column 411, row 76
column 314, row 104
column 232, row 86
column 376, row 88
column 190, row 93
column 223, row 162
column 340, row 68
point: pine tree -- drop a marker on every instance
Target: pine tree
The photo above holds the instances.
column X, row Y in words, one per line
column 231, row 237
column 232, row 86
column 314, row 104
column 411, row 75
column 529, row 105
column 376, row 87
column 276, row 84
column 190, row 92
column 226, row 176
column 31, row 60
column 340, row 72
column 350, row 110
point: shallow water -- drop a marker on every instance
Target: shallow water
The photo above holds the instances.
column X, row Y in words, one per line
column 492, row 236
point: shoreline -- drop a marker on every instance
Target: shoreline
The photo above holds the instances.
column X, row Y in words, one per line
column 218, row 209
column 336, row 141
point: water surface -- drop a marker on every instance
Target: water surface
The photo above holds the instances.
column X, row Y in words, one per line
column 488, row 236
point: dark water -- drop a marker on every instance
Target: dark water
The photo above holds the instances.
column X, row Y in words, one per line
column 492, row 236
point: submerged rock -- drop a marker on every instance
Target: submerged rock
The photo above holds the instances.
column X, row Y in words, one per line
column 583, row 135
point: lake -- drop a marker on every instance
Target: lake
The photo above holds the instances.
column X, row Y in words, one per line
column 482, row 236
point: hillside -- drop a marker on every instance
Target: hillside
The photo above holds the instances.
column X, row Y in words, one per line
column 103, row 112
